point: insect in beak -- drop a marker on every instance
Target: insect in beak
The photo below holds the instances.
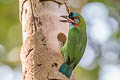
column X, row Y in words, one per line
column 67, row 19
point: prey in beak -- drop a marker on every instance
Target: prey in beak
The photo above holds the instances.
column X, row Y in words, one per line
column 67, row 19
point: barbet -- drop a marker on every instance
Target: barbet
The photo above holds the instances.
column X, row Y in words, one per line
column 75, row 44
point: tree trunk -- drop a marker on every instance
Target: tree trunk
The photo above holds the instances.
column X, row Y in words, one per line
column 43, row 34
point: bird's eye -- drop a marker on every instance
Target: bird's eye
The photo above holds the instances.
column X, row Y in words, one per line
column 72, row 18
column 71, row 15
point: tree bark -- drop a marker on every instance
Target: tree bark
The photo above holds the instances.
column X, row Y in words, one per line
column 43, row 34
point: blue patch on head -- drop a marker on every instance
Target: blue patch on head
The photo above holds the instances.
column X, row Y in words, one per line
column 74, row 14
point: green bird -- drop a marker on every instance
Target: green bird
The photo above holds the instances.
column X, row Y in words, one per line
column 75, row 44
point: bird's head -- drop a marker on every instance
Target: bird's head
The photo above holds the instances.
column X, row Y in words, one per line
column 74, row 18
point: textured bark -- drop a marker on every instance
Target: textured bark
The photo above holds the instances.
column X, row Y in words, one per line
column 42, row 38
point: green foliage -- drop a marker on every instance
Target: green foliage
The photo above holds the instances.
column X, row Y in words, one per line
column 83, row 74
column 8, row 19
column 10, row 31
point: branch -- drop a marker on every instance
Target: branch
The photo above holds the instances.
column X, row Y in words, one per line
column 43, row 36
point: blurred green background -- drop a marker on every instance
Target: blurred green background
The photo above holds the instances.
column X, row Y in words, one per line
column 101, row 60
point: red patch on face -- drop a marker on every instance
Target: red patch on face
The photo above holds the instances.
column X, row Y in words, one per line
column 76, row 25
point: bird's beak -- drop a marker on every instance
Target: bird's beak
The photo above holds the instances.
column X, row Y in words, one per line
column 67, row 19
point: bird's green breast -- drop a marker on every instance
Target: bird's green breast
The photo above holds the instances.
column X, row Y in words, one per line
column 76, row 44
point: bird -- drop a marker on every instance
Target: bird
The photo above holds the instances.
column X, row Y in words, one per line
column 75, row 44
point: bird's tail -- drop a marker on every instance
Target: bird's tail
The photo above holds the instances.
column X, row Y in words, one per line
column 66, row 69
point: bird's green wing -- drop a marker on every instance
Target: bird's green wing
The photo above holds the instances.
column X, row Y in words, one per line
column 75, row 48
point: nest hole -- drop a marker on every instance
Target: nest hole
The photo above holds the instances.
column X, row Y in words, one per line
column 61, row 38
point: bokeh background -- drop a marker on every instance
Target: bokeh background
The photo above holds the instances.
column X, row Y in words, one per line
column 101, row 60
